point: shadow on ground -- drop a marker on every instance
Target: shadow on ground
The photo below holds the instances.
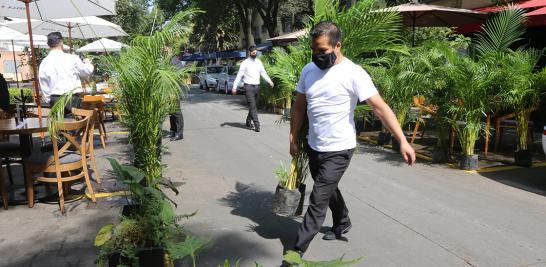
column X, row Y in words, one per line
column 529, row 179
column 255, row 205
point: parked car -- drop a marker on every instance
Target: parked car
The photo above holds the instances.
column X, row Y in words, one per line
column 208, row 77
column 226, row 80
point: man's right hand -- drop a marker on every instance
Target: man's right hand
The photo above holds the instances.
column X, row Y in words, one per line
column 294, row 149
column 234, row 91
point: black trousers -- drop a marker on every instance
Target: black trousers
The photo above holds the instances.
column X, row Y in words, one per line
column 326, row 168
column 252, row 97
column 177, row 122
column 75, row 103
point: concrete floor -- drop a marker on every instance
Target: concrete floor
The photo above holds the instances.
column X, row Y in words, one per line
column 425, row 215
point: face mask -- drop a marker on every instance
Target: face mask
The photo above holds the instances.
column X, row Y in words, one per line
column 253, row 56
column 324, row 61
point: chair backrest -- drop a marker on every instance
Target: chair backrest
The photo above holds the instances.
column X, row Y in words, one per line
column 90, row 114
column 419, row 100
column 71, row 131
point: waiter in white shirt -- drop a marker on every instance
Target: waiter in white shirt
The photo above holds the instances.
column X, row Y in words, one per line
column 250, row 71
column 60, row 72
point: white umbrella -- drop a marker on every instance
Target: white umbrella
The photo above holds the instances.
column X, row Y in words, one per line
column 102, row 45
column 52, row 9
column 7, row 34
column 39, row 45
column 77, row 28
column 56, row 9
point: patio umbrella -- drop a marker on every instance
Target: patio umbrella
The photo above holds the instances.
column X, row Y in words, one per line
column 77, row 28
column 7, row 34
column 102, row 45
column 52, row 9
column 416, row 14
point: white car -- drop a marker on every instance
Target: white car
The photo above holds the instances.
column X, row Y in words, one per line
column 208, row 78
column 226, row 80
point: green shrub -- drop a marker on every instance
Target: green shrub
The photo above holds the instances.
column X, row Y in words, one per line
column 16, row 93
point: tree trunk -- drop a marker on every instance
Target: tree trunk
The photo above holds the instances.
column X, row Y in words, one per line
column 245, row 16
column 269, row 13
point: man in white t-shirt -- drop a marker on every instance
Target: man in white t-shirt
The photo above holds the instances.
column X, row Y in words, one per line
column 328, row 92
column 250, row 72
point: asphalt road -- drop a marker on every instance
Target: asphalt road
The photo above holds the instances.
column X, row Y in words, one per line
column 425, row 215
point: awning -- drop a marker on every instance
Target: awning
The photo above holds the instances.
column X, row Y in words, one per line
column 289, row 37
column 193, row 57
column 526, row 4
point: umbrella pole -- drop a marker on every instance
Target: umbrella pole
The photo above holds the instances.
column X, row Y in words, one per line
column 413, row 38
column 15, row 63
column 34, row 65
column 70, row 36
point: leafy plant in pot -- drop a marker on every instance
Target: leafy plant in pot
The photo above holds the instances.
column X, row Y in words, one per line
column 290, row 192
column 150, row 234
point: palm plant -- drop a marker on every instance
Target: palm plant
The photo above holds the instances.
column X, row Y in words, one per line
column 472, row 86
column 147, row 87
column 523, row 92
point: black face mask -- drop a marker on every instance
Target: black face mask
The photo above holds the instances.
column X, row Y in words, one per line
column 325, row 61
column 253, row 56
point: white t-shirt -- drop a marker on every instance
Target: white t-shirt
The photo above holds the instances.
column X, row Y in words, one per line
column 332, row 96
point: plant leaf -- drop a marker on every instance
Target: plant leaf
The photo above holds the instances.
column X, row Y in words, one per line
column 104, row 234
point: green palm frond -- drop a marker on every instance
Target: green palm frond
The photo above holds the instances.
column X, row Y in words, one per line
column 501, row 32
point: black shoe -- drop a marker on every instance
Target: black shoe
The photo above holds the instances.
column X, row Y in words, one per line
column 173, row 134
column 177, row 137
column 337, row 233
column 257, row 129
column 249, row 125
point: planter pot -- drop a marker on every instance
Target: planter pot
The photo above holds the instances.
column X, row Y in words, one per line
column 288, row 202
column 440, row 155
column 523, row 158
column 469, row 163
column 383, row 138
column 147, row 257
column 130, row 210
column 301, row 189
column 395, row 145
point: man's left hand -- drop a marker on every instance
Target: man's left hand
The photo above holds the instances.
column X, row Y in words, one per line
column 272, row 84
column 408, row 153
column 234, row 91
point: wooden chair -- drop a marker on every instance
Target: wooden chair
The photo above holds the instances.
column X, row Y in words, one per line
column 419, row 102
column 62, row 162
column 505, row 121
column 97, row 102
column 3, row 192
column 92, row 115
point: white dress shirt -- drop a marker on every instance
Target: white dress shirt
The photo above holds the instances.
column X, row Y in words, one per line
column 60, row 73
column 250, row 71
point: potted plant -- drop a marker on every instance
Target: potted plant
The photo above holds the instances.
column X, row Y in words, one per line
column 290, row 192
column 150, row 234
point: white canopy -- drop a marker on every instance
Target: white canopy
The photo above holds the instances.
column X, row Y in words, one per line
column 102, row 45
column 55, row 9
column 7, row 34
column 77, row 28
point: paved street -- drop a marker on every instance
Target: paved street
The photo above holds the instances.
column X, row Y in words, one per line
column 425, row 215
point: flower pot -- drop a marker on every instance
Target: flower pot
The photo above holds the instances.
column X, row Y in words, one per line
column 287, row 202
column 523, row 158
column 301, row 188
column 383, row 139
column 440, row 155
column 469, row 162
column 395, row 145
column 130, row 210
column 147, row 257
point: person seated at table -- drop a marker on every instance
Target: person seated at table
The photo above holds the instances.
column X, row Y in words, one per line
column 4, row 93
column 60, row 72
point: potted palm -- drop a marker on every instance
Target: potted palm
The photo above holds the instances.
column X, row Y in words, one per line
column 522, row 95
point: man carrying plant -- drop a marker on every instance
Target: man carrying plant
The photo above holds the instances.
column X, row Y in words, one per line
column 328, row 92
column 250, row 71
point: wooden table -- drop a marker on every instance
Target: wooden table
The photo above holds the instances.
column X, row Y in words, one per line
column 24, row 129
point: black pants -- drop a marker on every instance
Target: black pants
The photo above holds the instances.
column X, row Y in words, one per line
column 252, row 97
column 75, row 103
column 326, row 168
column 177, row 122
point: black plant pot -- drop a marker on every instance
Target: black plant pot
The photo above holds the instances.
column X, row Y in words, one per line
column 440, row 155
column 147, row 257
column 287, row 202
column 383, row 139
column 395, row 145
column 524, row 158
column 469, row 163
column 130, row 210
column 301, row 188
